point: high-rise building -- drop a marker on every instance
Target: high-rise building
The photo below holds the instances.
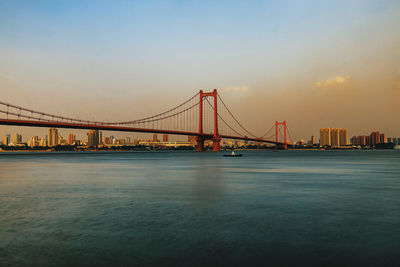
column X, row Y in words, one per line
column 6, row 140
column 393, row 140
column 155, row 139
column 362, row 140
column 34, row 141
column 356, row 140
column 312, row 140
column 335, row 137
column 382, row 138
column 375, row 138
column 165, row 138
column 71, row 139
column 93, row 138
column 61, row 141
column 343, row 137
column 325, row 136
column 353, row 140
column 109, row 140
column 368, row 140
column 42, row 142
column 53, row 137
column 16, row 138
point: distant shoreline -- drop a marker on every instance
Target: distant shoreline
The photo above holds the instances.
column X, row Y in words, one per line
column 158, row 150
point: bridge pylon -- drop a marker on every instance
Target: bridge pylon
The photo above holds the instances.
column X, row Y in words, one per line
column 283, row 123
column 199, row 143
column 216, row 138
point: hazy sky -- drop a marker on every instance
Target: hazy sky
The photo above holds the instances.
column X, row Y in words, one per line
column 312, row 63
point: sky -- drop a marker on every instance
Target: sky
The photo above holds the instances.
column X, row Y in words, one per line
column 312, row 63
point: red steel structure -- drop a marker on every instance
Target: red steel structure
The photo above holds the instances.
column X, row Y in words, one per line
column 180, row 120
column 216, row 138
column 277, row 124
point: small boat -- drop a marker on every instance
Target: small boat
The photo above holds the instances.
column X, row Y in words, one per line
column 233, row 155
column 397, row 147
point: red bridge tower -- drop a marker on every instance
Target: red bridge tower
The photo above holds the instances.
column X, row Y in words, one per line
column 284, row 133
column 216, row 138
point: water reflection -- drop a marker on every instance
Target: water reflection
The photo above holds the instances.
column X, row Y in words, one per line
column 207, row 182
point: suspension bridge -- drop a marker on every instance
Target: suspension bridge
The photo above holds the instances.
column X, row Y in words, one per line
column 197, row 116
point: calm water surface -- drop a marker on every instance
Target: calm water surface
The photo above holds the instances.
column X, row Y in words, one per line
column 312, row 208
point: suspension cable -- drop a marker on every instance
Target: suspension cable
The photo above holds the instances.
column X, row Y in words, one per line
column 235, row 117
column 225, row 121
column 291, row 139
column 268, row 131
column 41, row 115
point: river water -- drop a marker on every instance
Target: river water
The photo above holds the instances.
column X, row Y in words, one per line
column 289, row 208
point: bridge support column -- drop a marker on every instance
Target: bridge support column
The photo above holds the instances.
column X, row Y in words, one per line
column 216, row 143
column 284, row 144
column 200, row 144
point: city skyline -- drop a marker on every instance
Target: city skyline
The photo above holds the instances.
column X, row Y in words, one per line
column 81, row 134
column 275, row 61
column 329, row 137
